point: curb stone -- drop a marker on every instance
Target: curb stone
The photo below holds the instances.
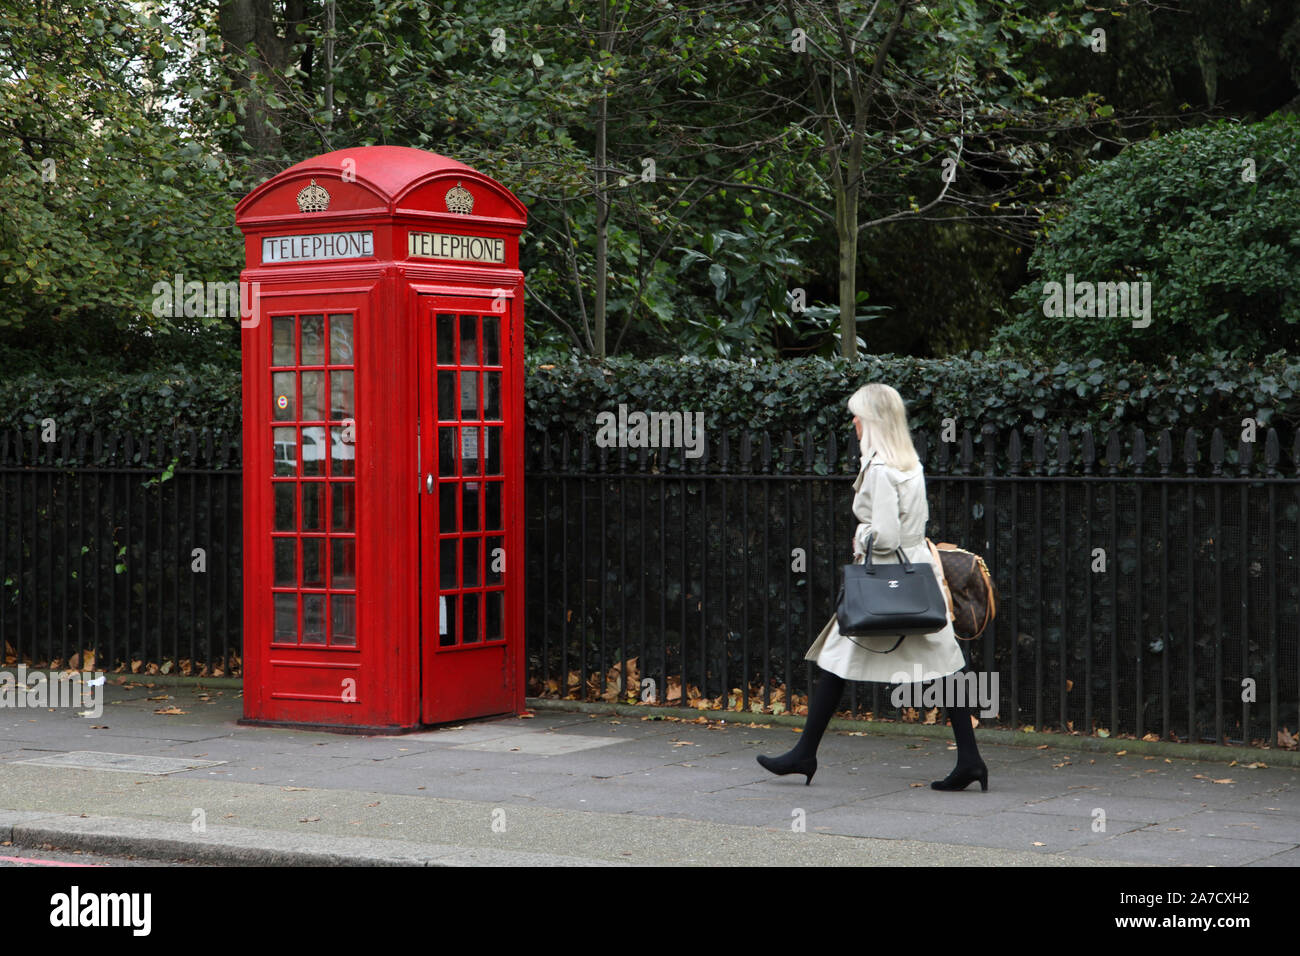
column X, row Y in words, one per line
column 247, row 846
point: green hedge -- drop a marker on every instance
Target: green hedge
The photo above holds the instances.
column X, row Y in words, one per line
column 1204, row 392
column 148, row 405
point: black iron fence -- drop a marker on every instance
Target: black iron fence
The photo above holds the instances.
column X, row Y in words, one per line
column 1144, row 590
column 124, row 547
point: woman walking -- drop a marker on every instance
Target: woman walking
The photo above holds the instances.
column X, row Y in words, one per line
column 889, row 503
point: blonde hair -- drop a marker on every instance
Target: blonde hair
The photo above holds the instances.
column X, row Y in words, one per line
column 884, row 426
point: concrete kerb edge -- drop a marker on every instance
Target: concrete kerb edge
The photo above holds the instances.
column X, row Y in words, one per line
column 1008, row 738
column 170, row 848
column 114, row 836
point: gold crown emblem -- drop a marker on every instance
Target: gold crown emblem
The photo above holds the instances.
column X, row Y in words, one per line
column 313, row 198
column 460, row 199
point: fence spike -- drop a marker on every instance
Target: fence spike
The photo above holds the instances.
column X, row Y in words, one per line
column 787, row 451
column 1164, row 451
column 988, row 436
column 765, row 465
column 601, row 456
column 1216, row 451
column 1089, row 450
column 1190, row 451
column 1245, row 456
column 1139, row 450
column 1040, row 451
column 1014, row 451
column 1063, row 449
column 1272, row 451
column 1112, row 451
column 967, row 451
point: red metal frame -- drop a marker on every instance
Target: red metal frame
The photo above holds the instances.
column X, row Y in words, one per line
column 395, row 671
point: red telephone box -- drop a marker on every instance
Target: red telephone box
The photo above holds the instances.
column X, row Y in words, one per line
column 383, row 443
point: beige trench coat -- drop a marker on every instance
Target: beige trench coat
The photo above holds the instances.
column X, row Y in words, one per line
column 892, row 504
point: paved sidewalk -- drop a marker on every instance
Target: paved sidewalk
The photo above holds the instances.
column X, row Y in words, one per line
column 576, row 789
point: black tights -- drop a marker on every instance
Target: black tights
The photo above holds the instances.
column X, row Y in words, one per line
column 821, row 706
column 826, row 698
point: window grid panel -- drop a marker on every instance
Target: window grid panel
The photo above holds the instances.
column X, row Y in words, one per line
column 307, row 594
column 468, row 396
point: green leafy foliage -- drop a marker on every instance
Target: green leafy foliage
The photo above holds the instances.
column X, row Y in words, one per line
column 1209, row 216
column 105, row 194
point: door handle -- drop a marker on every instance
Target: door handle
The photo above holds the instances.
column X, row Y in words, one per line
column 428, row 483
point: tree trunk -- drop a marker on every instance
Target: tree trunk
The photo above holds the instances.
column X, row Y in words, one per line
column 602, row 194
column 846, row 232
column 248, row 29
column 602, row 230
column 329, row 61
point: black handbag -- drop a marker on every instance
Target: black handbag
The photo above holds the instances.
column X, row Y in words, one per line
column 890, row 600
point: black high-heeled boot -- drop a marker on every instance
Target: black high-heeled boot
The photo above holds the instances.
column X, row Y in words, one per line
column 962, row 777
column 789, row 762
column 802, row 758
column 970, row 767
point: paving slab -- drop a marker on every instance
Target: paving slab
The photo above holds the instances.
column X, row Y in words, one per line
column 614, row 789
column 1159, row 847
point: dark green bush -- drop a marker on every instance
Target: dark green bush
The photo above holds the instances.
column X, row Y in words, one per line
column 1209, row 216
